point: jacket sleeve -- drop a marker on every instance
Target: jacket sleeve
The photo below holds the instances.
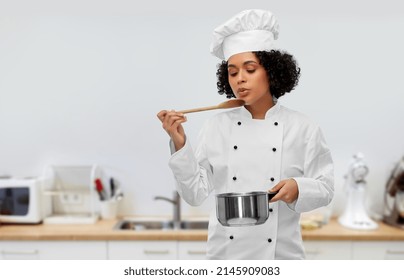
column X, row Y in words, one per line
column 316, row 187
column 192, row 171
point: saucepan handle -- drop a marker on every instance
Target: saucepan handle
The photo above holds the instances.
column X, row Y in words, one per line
column 271, row 195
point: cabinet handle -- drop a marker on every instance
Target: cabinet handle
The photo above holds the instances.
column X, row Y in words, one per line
column 395, row 252
column 162, row 252
column 191, row 252
column 33, row 252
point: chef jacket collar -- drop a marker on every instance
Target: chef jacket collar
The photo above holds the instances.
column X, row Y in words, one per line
column 270, row 113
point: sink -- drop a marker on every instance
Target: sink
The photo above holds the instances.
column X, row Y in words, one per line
column 160, row 225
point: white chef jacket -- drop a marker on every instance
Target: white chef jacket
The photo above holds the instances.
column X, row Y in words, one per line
column 237, row 153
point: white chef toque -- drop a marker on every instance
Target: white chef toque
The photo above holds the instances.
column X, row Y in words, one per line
column 249, row 30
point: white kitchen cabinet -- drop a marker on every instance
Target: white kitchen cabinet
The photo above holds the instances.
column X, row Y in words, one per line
column 53, row 250
column 378, row 250
column 142, row 250
column 192, row 250
column 328, row 250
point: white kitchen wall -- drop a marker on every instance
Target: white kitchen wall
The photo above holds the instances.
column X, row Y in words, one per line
column 81, row 82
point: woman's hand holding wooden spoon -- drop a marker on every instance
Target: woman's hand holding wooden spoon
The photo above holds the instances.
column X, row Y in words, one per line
column 172, row 120
column 172, row 124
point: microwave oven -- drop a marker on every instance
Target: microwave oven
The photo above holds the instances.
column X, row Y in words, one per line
column 21, row 201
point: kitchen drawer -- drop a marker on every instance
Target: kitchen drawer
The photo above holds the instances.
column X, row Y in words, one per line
column 378, row 250
column 328, row 250
column 142, row 250
column 53, row 250
column 192, row 250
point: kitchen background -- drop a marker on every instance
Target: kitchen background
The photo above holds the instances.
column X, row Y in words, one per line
column 81, row 82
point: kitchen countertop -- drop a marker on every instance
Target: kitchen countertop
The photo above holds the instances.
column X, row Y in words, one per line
column 103, row 230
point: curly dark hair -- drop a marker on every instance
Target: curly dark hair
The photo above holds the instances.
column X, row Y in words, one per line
column 282, row 71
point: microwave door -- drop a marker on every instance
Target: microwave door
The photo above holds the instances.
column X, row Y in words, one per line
column 7, row 207
column 14, row 201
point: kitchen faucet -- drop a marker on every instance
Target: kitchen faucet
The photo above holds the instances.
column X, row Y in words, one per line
column 176, row 201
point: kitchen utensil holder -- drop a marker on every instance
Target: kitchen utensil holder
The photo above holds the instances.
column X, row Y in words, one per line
column 72, row 192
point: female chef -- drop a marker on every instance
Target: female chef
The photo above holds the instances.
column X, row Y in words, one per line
column 258, row 147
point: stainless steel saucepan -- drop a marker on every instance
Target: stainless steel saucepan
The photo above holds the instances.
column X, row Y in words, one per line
column 243, row 209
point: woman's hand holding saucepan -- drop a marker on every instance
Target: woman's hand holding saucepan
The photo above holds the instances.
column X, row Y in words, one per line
column 287, row 191
column 172, row 121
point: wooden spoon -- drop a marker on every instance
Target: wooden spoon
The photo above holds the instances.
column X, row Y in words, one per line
column 233, row 103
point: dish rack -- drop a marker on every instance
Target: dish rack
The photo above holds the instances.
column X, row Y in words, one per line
column 71, row 190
